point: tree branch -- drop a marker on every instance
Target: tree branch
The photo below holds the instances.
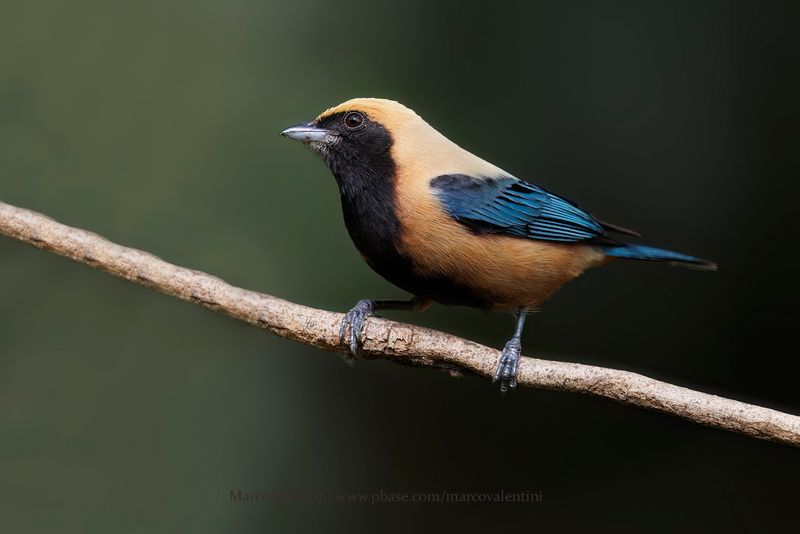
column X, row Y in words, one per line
column 388, row 339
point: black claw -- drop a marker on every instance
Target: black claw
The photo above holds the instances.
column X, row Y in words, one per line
column 353, row 323
column 508, row 366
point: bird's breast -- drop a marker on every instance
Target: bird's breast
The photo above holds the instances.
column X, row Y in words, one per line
column 372, row 220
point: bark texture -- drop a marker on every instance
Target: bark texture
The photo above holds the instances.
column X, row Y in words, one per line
column 388, row 339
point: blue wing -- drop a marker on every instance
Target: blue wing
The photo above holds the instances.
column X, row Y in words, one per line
column 516, row 208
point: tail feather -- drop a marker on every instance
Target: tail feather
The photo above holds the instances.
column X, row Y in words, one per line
column 641, row 252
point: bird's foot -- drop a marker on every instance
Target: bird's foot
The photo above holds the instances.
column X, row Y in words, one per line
column 353, row 323
column 508, row 366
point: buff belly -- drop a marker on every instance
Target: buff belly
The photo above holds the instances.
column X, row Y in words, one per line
column 501, row 273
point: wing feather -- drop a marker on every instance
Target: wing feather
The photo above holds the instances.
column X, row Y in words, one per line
column 513, row 207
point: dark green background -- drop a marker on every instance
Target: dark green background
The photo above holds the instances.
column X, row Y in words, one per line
column 156, row 124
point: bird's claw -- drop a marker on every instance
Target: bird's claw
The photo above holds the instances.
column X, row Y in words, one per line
column 353, row 323
column 508, row 366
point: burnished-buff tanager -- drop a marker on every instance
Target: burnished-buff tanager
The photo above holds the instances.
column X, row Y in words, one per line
column 447, row 226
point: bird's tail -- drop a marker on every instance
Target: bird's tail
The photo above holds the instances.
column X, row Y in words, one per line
column 641, row 252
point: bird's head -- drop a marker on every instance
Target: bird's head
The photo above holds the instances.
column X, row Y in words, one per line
column 357, row 135
column 368, row 139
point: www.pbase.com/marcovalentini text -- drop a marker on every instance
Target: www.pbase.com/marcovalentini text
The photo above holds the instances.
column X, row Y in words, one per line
column 389, row 497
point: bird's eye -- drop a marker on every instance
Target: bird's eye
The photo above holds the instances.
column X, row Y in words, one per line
column 354, row 120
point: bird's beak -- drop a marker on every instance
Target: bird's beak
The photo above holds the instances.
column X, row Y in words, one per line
column 306, row 132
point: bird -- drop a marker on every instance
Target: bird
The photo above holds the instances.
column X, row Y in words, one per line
column 449, row 227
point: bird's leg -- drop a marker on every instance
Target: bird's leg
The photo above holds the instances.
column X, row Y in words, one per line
column 353, row 321
column 508, row 366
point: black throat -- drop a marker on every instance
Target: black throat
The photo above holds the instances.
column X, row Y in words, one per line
column 366, row 174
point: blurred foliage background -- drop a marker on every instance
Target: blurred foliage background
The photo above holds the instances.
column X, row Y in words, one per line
column 156, row 124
